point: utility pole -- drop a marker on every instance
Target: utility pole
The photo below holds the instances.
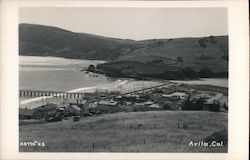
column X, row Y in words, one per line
column 143, row 86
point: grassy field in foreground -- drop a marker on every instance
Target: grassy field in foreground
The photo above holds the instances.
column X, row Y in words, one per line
column 154, row 131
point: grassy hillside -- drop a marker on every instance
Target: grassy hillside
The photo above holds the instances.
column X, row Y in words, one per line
column 183, row 58
column 193, row 52
column 154, row 131
column 129, row 57
column 39, row 40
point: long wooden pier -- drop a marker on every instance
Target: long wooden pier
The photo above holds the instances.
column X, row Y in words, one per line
column 40, row 93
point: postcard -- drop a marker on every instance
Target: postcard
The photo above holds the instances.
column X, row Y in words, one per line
column 124, row 80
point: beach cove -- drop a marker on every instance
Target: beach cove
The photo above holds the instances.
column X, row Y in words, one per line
column 64, row 75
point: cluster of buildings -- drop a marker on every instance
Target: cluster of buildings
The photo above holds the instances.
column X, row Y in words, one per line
column 171, row 97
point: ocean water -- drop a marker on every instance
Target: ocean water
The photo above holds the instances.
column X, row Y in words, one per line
column 57, row 74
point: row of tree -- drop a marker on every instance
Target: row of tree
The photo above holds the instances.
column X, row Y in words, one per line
column 199, row 104
column 180, row 73
column 189, row 73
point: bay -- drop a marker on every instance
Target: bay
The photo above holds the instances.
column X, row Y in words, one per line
column 56, row 74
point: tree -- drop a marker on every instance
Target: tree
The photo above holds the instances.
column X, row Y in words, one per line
column 195, row 104
column 215, row 106
column 99, row 66
column 225, row 57
column 186, row 105
column 225, row 106
column 202, row 42
column 199, row 104
column 159, row 43
column 212, row 39
column 167, row 106
column 190, row 72
column 206, row 72
column 179, row 59
column 91, row 68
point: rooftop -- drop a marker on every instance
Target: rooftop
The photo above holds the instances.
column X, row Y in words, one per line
column 76, row 107
column 110, row 103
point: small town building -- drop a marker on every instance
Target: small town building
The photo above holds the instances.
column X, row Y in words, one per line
column 131, row 98
column 93, row 105
column 46, row 109
column 128, row 103
column 89, row 96
column 175, row 96
column 146, row 106
column 83, row 105
column 167, row 96
column 155, row 106
column 62, row 108
column 114, row 92
column 74, row 110
column 107, row 103
column 181, row 95
column 29, row 114
column 104, row 107
column 148, row 103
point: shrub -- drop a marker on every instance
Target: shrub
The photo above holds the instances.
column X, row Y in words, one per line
column 179, row 59
column 215, row 107
column 169, row 40
column 224, row 57
column 212, row 40
column 157, row 61
column 167, row 106
column 206, row 72
column 225, row 106
column 202, row 42
column 185, row 126
column 190, row 73
column 196, row 104
column 91, row 68
column 159, row 43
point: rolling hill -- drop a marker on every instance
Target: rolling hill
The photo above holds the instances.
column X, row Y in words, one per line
column 182, row 58
column 129, row 57
column 40, row 40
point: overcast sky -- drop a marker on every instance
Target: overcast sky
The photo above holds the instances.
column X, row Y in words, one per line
column 132, row 23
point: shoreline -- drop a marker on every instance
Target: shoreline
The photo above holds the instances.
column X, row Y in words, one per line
column 112, row 84
column 203, row 81
column 30, row 102
column 122, row 85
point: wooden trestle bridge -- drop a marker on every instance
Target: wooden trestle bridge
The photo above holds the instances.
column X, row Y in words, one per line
column 40, row 93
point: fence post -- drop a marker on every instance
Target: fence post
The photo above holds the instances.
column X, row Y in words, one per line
column 93, row 146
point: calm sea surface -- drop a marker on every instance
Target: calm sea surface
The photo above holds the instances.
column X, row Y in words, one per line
column 56, row 74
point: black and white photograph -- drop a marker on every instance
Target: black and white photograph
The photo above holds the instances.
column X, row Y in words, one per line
column 123, row 80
